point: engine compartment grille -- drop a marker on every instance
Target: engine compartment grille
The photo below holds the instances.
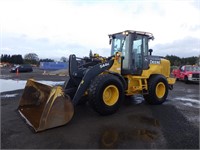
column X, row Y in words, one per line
column 195, row 75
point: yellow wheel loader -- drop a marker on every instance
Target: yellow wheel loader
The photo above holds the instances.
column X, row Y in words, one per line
column 103, row 82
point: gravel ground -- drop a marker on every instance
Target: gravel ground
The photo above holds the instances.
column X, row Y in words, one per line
column 137, row 125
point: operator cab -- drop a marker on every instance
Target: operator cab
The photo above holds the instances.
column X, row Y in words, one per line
column 134, row 48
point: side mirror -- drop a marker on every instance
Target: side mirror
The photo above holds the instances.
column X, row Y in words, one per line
column 150, row 51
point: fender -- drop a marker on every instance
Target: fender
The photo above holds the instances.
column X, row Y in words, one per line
column 90, row 74
column 125, row 85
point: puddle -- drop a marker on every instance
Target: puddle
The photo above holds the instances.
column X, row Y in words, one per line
column 11, row 85
column 113, row 138
column 8, row 95
column 193, row 96
column 109, row 138
column 135, row 99
column 5, row 76
column 189, row 102
column 135, row 132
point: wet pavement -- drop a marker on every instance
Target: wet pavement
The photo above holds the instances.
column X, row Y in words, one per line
column 137, row 125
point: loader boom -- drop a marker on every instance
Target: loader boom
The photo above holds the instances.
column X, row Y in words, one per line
column 83, row 77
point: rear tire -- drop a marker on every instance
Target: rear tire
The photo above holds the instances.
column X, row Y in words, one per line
column 106, row 94
column 158, row 90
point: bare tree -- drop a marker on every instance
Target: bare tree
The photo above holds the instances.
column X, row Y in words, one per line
column 63, row 59
column 31, row 58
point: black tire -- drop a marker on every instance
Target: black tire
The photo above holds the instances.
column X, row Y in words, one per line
column 83, row 100
column 177, row 79
column 158, row 90
column 105, row 94
column 186, row 80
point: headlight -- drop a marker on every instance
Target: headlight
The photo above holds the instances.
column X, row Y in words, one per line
column 190, row 75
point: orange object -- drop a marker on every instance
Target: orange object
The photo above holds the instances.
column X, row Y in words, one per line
column 17, row 71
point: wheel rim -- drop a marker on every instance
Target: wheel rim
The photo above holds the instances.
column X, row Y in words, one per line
column 110, row 95
column 160, row 89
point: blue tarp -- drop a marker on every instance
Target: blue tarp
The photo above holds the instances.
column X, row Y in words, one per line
column 53, row 65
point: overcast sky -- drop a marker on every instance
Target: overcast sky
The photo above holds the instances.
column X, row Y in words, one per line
column 56, row 28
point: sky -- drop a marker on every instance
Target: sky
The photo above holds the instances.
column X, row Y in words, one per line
column 57, row 28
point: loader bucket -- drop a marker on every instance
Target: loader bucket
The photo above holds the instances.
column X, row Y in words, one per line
column 44, row 106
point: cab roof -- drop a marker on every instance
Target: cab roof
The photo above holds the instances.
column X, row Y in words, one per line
column 150, row 35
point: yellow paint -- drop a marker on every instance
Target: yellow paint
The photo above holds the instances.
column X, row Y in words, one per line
column 110, row 95
column 138, row 84
column 171, row 80
column 160, row 90
column 116, row 67
column 163, row 68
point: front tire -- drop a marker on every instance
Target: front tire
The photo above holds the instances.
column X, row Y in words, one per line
column 106, row 94
column 186, row 80
column 158, row 90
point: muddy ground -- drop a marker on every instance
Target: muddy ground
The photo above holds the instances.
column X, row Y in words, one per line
column 137, row 125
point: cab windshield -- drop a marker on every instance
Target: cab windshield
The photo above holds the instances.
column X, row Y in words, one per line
column 119, row 43
column 192, row 68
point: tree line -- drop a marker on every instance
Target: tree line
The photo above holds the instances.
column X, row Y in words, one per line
column 14, row 59
column 177, row 61
column 32, row 58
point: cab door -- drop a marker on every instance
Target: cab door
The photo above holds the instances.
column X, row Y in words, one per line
column 139, row 54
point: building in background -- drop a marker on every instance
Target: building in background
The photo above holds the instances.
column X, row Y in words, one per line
column 53, row 65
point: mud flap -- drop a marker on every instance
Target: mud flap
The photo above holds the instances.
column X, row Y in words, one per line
column 44, row 106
